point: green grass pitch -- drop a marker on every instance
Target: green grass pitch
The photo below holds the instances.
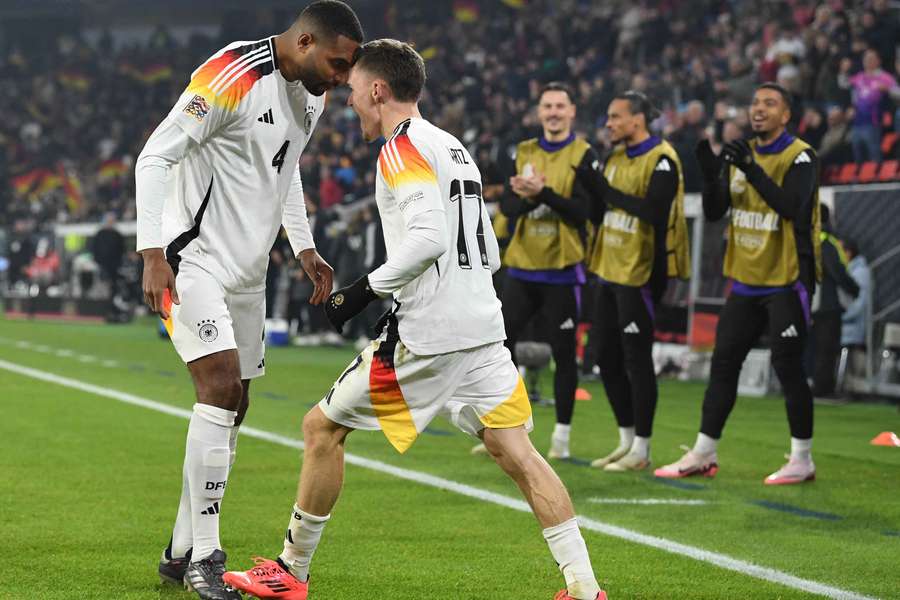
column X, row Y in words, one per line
column 89, row 488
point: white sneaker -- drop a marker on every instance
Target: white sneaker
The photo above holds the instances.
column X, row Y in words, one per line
column 629, row 462
column 795, row 471
column 612, row 457
column 559, row 448
column 690, row 464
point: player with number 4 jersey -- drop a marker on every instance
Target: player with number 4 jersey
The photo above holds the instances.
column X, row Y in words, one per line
column 441, row 350
column 215, row 182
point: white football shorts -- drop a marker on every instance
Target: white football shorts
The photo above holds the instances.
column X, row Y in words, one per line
column 387, row 387
column 211, row 319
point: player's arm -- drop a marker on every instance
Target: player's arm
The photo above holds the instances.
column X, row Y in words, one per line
column 577, row 208
column 296, row 224
column 165, row 148
column 793, row 199
column 661, row 190
column 418, row 195
column 198, row 115
column 716, row 195
column 492, row 246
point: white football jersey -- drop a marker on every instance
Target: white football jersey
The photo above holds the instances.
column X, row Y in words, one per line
column 452, row 305
column 250, row 126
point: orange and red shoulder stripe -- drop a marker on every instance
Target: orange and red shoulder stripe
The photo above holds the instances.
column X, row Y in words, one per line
column 225, row 80
column 401, row 163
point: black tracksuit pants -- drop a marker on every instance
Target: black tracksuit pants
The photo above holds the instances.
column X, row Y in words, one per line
column 558, row 307
column 623, row 334
column 784, row 315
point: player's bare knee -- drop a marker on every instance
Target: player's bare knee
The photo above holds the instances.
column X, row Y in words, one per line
column 318, row 433
column 223, row 392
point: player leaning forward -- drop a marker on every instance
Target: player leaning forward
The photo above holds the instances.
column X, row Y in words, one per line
column 215, row 182
column 442, row 349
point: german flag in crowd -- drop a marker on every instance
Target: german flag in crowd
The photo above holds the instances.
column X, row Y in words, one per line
column 74, row 80
column 466, row 11
column 114, row 168
column 36, row 182
column 72, row 188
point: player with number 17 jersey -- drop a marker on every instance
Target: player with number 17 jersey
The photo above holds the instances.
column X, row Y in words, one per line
column 451, row 306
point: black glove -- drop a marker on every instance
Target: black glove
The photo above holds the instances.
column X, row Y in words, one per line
column 347, row 302
column 593, row 181
column 739, row 154
column 710, row 164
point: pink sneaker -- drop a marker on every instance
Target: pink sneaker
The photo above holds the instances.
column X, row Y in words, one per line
column 268, row 579
column 795, row 471
column 564, row 595
column 690, row 464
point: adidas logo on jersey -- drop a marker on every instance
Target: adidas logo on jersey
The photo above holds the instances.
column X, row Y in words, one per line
column 663, row 165
column 267, row 117
column 568, row 324
column 632, row 328
column 212, row 510
column 803, row 157
column 790, row 332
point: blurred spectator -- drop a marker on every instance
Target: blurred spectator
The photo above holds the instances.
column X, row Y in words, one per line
column 824, row 343
column 855, row 317
column 834, row 147
column 108, row 249
column 870, row 87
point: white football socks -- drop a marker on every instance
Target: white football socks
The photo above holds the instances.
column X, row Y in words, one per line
column 571, row 554
column 640, row 447
column 303, row 535
column 705, row 445
column 561, row 432
column 801, row 450
column 207, row 458
column 182, row 533
column 626, row 437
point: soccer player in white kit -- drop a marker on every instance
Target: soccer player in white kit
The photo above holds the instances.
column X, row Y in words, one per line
column 215, row 181
column 441, row 351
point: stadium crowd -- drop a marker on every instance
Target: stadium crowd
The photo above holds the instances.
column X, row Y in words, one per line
column 83, row 110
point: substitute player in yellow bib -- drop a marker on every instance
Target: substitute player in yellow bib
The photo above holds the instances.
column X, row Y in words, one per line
column 442, row 349
column 544, row 259
column 770, row 183
column 640, row 182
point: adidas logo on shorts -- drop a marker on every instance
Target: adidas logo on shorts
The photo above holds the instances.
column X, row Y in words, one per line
column 790, row 332
column 632, row 328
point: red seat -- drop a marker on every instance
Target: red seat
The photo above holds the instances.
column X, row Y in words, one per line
column 867, row 172
column 890, row 170
column 888, row 141
column 847, row 174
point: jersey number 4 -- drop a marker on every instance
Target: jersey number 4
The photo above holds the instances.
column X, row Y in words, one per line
column 278, row 159
column 459, row 191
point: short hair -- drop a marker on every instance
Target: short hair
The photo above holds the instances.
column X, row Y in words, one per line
column 850, row 246
column 558, row 86
column 397, row 63
column 333, row 18
column 785, row 95
column 639, row 103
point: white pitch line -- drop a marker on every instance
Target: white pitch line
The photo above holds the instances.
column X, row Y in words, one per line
column 720, row 560
column 648, row 501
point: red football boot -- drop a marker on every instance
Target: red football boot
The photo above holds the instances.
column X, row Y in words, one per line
column 268, row 579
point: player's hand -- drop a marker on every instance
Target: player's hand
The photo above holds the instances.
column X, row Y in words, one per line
column 527, row 187
column 319, row 272
column 710, row 164
column 348, row 302
column 593, row 181
column 739, row 154
column 158, row 278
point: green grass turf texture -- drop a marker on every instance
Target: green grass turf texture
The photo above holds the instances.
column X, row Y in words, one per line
column 89, row 489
